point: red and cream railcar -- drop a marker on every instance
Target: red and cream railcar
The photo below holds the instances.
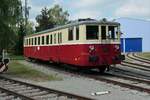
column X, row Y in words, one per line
column 85, row 44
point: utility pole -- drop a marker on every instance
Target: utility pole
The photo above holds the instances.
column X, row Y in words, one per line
column 26, row 12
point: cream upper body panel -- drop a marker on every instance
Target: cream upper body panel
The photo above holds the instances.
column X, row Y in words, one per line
column 63, row 34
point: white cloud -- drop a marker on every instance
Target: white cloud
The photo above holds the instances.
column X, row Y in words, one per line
column 134, row 8
column 85, row 14
column 57, row 2
column 86, row 3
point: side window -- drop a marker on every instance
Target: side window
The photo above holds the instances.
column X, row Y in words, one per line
column 47, row 39
column 29, row 41
column 54, row 38
column 103, row 32
column 38, row 40
column 51, row 39
column 43, row 40
column 32, row 41
column 35, row 40
column 91, row 32
column 77, row 33
column 70, row 34
column 60, row 37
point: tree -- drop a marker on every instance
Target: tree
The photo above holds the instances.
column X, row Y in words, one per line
column 19, row 41
column 58, row 16
column 50, row 18
column 43, row 20
column 10, row 15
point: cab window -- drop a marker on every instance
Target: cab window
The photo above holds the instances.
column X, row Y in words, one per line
column 112, row 32
column 91, row 32
column 103, row 32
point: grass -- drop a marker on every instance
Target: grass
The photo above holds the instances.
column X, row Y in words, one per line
column 22, row 71
column 16, row 57
column 145, row 54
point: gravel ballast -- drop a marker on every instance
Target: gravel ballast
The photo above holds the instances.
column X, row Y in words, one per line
column 85, row 86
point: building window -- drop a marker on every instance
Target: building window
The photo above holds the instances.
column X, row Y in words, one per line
column 103, row 32
column 47, row 39
column 92, row 32
column 77, row 33
column 70, row 34
column 43, row 40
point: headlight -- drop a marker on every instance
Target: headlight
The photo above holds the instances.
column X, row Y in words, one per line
column 117, row 47
column 91, row 48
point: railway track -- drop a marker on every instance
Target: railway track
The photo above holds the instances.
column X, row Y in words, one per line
column 14, row 89
column 123, row 81
column 129, row 73
column 136, row 66
column 140, row 57
column 136, row 63
column 135, row 57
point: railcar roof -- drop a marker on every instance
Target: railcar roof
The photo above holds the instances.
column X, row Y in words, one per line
column 75, row 23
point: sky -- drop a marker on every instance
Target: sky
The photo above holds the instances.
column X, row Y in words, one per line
column 98, row 9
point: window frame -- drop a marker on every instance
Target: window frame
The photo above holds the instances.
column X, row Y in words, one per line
column 103, row 36
column 77, row 33
column 43, row 40
column 70, row 34
column 47, row 39
column 88, row 36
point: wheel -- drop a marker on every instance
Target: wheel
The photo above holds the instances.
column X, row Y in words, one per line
column 102, row 69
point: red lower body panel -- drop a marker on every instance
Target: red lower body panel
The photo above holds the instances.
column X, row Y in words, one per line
column 84, row 56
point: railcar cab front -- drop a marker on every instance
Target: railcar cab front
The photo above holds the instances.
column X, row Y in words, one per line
column 103, row 41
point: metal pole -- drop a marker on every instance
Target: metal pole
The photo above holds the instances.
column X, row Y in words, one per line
column 26, row 16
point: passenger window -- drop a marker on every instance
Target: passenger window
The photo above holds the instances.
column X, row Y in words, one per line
column 70, row 34
column 103, row 32
column 54, row 38
column 38, row 40
column 29, row 41
column 43, row 40
column 91, row 32
column 77, row 33
column 51, row 39
column 47, row 39
column 35, row 41
column 32, row 41
column 60, row 37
